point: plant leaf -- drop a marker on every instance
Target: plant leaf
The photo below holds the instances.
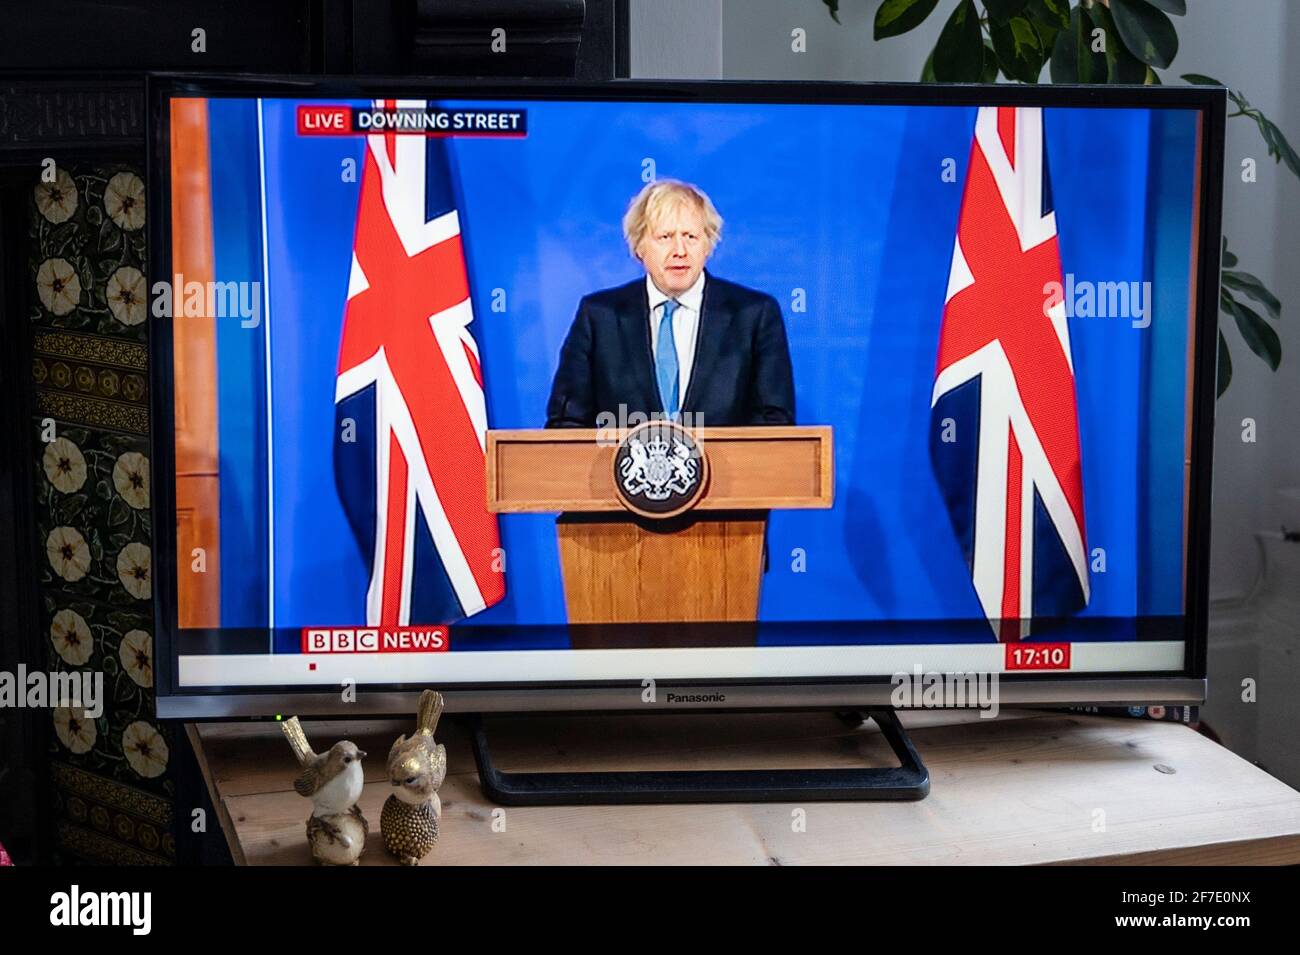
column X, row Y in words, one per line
column 1121, row 65
column 896, row 17
column 1248, row 284
column 989, row 74
column 1044, row 22
column 1278, row 147
column 959, row 52
column 1177, row 7
column 833, row 6
column 1152, row 78
column 1200, row 79
column 927, row 71
column 1004, row 10
column 1226, row 259
column 1052, row 11
column 1092, row 64
column 1064, row 67
column 1259, row 335
column 1018, row 49
column 1146, row 31
column 1225, row 366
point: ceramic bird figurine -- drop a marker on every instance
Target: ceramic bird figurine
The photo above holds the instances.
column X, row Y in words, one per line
column 336, row 829
column 416, row 768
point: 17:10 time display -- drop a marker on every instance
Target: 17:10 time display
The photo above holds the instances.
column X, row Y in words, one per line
column 1038, row 656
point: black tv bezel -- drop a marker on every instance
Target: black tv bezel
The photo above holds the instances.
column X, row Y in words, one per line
column 1118, row 688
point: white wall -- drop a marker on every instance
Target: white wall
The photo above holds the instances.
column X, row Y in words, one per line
column 676, row 39
column 756, row 42
column 1248, row 44
column 1251, row 51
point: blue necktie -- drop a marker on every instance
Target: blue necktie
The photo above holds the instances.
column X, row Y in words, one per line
column 666, row 360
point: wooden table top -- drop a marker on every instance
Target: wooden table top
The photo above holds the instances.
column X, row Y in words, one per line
column 1030, row 787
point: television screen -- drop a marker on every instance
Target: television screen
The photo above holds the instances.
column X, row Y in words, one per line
column 973, row 325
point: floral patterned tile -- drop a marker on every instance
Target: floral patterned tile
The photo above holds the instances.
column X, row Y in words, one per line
column 86, row 256
column 124, row 742
column 88, row 251
column 92, row 510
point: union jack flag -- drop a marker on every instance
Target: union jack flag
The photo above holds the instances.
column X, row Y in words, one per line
column 1004, row 438
column 411, row 416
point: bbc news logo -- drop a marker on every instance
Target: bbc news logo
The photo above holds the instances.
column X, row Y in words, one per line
column 375, row 640
column 418, row 121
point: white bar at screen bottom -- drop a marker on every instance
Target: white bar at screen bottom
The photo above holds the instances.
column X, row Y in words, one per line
column 722, row 663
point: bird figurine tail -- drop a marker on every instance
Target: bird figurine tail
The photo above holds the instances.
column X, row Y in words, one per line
column 302, row 750
column 426, row 717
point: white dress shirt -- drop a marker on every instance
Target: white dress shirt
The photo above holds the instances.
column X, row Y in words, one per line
column 686, row 325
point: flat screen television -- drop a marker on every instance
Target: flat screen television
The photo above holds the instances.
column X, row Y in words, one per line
column 948, row 357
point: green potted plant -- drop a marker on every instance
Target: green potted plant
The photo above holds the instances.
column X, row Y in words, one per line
column 1091, row 41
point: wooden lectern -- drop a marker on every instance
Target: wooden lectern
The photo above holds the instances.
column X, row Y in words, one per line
column 701, row 565
column 697, row 566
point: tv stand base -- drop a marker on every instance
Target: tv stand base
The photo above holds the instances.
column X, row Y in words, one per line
column 910, row 780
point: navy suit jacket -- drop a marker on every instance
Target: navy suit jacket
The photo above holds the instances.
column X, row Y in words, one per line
column 741, row 375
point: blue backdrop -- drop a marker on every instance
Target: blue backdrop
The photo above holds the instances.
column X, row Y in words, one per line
column 844, row 214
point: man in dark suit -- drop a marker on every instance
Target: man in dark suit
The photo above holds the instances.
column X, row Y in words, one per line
column 679, row 343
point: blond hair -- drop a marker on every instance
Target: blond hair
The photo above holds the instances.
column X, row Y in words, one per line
column 657, row 196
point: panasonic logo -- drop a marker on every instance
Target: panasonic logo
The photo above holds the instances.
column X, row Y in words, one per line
column 696, row 698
